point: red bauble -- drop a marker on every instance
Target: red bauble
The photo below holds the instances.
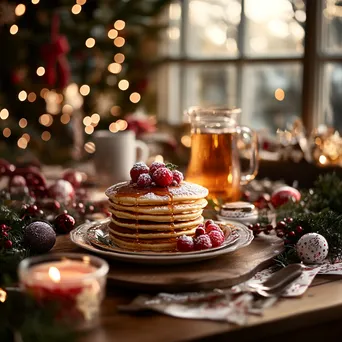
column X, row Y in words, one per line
column 283, row 195
column 74, row 177
column 64, row 223
column 62, row 191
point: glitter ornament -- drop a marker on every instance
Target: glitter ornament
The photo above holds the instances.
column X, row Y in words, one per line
column 312, row 248
column 283, row 195
column 62, row 191
column 39, row 236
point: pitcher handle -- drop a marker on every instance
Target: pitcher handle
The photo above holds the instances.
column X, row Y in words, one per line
column 248, row 176
column 143, row 149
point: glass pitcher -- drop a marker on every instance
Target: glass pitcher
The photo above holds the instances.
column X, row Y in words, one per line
column 216, row 139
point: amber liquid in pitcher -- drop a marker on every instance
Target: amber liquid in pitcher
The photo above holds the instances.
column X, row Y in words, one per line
column 215, row 164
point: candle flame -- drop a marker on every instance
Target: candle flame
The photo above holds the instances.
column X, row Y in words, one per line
column 3, row 295
column 54, row 274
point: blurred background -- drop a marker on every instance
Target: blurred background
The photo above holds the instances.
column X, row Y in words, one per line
column 71, row 68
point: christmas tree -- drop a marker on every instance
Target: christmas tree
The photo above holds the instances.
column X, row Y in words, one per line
column 69, row 67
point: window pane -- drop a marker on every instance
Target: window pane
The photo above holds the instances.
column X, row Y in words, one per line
column 210, row 85
column 332, row 96
column 171, row 37
column 271, row 96
column 212, row 28
column 274, row 27
column 332, row 27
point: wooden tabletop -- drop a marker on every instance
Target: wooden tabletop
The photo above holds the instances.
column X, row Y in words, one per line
column 317, row 313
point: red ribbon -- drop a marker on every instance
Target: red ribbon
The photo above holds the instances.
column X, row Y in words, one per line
column 54, row 55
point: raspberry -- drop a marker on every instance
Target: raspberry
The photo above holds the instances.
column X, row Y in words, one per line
column 207, row 222
column 144, row 180
column 212, row 227
column 185, row 243
column 137, row 170
column 202, row 242
column 163, row 177
column 216, row 238
column 154, row 166
column 199, row 231
column 177, row 176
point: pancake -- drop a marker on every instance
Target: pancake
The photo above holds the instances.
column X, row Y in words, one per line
column 156, row 218
column 131, row 224
column 127, row 194
column 184, row 207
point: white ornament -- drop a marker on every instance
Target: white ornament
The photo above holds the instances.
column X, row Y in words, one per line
column 62, row 191
column 312, row 248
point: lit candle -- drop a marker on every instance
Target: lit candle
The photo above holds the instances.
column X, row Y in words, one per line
column 74, row 283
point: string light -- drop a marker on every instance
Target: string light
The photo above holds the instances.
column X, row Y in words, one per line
column 22, row 96
column 119, row 41
column 119, row 58
column 4, row 114
column 113, row 127
column 95, row 118
column 32, row 97
column 6, row 132
column 114, row 68
column 112, row 34
column 279, row 94
column 35, row 2
column 22, row 123
column 89, row 129
column 76, row 9
column 44, row 92
column 40, row 71
column 65, row 118
column 123, row 85
column 20, row 10
column 46, row 120
column 22, row 143
column 14, row 29
column 85, row 90
column 90, row 43
column 122, row 125
column 67, row 109
column 81, row 2
column 90, row 147
column 115, row 110
column 119, row 25
column 135, row 97
column 27, row 137
column 46, row 136
column 87, row 121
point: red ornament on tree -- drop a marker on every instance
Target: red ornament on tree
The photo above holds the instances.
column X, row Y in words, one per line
column 64, row 223
column 283, row 195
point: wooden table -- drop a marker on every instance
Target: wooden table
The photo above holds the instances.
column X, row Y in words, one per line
column 317, row 314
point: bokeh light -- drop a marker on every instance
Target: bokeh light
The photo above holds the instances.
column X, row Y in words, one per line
column 22, row 123
column 135, row 97
column 90, row 43
column 119, row 25
column 90, row 147
column 123, row 85
column 119, row 58
column 22, row 96
column 85, row 90
column 40, row 71
column 119, row 41
column 4, row 114
column 46, row 136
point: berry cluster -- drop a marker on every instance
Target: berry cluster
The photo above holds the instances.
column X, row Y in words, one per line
column 4, row 237
column 207, row 235
column 158, row 174
column 284, row 229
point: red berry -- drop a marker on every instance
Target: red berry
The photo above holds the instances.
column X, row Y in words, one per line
column 163, row 177
column 266, row 232
column 212, row 227
column 199, row 231
column 202, row 242
column 250, row 226
column 32, row 209
column 144, row 180
column 216, row 238
column 185, row 243
column 8, row 244
column 281, row 225
column 137, row 170
column 299, row 229
column 256, row 226
column 155, row 166
column 4, row 234
column 208, row 222
column 177, row 176
column 291, row 234
column 4, row 227
column 280, row 234
column 269, row 227
column 288, row 219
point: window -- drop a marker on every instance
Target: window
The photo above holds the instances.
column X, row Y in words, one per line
column 264, row 56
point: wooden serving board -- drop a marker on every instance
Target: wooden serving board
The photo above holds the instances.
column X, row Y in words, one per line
column 223, row 271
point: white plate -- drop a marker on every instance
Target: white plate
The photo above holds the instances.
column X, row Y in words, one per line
column 80, row 237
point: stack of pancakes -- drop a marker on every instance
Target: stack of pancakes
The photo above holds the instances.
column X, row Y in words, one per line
column 151, row 219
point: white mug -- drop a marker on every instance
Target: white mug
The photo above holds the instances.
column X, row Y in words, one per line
column 115, row 155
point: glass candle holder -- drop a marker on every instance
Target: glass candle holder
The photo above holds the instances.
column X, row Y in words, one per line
column 73, row 284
